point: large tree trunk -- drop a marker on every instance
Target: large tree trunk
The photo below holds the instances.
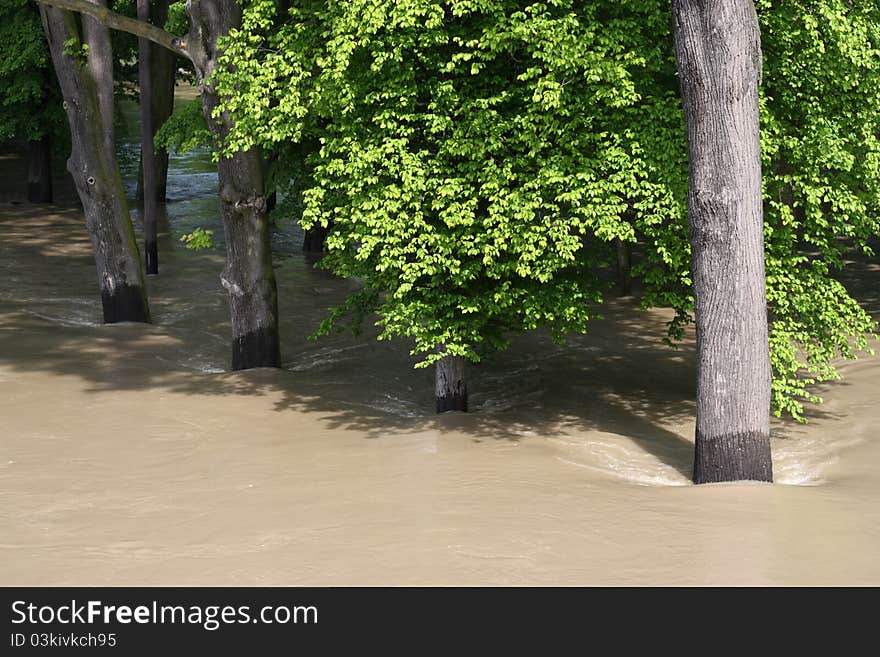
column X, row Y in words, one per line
column 451, row 384
column 248, row 276
column 39, row 183
column 86, row 81
column 718, row 50
column 148, row 156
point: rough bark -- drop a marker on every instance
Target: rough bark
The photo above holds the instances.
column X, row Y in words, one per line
column 248, row 276
column 148, row 157
column 451, row 384
column 718, row 52
column 86, row 82
column 39, row 182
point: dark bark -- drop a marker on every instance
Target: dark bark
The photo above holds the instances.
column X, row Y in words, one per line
column 163, row 66
column 718, row 51
column 451, row 384
column 86, row 83
column 39, row 182
column 624, row 266
column 313, row 240
column 148, row 157
column 248, row 276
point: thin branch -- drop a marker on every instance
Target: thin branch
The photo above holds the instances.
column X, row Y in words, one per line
column 124, row 23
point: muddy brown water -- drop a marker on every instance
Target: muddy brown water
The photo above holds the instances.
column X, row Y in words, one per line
column 129, row 455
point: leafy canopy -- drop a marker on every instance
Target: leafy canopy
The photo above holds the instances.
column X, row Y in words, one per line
column 468, row 154
column 30, row 105
column 474, row 159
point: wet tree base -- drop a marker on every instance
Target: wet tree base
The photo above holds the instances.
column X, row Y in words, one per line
column 259, row 348
column 453, row 402
column 39, row 192
column 313, row 241
column 126, row 303
column 151, row 258
column 733, row 457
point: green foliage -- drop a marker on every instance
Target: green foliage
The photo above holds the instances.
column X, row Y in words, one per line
column 199, row 239
column 30, row 105
column 185, row 130
column 470, row 159
column 77, row 50
column 821, row 151
column 474, row 159
column 178, row 21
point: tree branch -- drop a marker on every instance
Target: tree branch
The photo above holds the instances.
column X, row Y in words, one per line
column 119, row 22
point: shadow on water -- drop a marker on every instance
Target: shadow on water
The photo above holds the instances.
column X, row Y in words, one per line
column 619, row 380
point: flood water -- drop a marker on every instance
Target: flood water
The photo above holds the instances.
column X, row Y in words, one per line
column 129, row 455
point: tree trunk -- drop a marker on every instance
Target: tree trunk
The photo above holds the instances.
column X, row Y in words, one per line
column 624, row 266
column 248, row 276
column 451, row 385
column 313, row 240
column 86, row 81
column 163, row 66
column 39, row 184
column 148, row 158
column 718, row 51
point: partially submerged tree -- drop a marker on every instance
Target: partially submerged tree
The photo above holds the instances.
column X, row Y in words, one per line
column 248, row 276
column 718, row 49
column 83, row 63
column 470, row 167
column 148, row 155
column 379, row 87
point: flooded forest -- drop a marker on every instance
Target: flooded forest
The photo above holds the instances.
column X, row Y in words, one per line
column 426, row 312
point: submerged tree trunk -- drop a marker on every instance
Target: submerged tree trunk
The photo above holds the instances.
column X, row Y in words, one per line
column 248, row 276
column 86, row 80
column 450, row 384
column 718, row 51
column 148, row 158
column 39, row 183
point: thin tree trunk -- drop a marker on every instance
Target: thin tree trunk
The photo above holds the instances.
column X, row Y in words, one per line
column 718, row 51
column 314, row 238
column 148, row 158
column 86, row 81
column 248, row 276
column 451, row 384
column 163, row 66
column 39, row 183
column 624, row 266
